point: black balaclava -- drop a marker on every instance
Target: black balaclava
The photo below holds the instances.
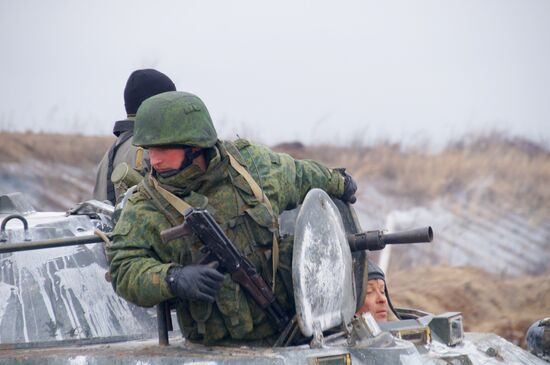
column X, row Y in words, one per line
column 141, row 85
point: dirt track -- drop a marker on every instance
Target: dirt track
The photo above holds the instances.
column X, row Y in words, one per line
column 488, row 302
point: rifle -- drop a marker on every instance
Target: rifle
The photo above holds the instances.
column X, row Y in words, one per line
column 218, row 247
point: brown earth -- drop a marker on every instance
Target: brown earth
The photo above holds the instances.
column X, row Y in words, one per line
column 488, row 302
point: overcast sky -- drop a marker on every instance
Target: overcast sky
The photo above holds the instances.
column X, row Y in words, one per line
column 285, row 70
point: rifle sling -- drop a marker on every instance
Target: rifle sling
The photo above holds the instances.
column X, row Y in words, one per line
column 155, row 196
column 179, row 204
column 261, row 197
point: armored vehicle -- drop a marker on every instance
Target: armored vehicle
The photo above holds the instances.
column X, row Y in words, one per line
column 57, row 306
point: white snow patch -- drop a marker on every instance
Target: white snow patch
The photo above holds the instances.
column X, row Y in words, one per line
column 96, row 296
column 35, row 259
column 78, row 360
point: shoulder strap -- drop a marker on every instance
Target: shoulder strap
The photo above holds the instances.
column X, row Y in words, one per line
column 155, row 198
column 256, row 190
column 261, row 197
column 179, row 204
column 112, row 151
column 139, row 159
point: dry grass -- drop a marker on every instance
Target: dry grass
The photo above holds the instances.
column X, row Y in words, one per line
column 504, row 171
column 508, row 172
column 77, row 150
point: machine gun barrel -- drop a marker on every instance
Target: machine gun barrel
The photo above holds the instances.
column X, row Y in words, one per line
column 377, row 240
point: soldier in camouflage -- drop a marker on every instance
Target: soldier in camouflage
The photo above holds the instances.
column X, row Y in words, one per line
column 191, row 167
column 376, row 300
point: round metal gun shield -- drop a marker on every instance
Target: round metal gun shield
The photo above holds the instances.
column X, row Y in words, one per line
column 322, row 271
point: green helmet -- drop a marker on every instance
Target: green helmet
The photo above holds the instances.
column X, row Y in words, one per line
column 174, row 118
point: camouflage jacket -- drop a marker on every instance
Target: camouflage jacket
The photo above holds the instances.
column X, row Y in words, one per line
column 139, row 260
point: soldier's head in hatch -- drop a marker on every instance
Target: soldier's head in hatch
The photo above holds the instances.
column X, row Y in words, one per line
column 376, row 301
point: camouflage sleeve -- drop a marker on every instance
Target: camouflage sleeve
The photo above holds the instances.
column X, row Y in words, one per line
column 286, row 180
column 300, row 176
column 136, row 271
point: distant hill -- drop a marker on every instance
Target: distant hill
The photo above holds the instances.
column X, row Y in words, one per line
column 54, row 170
column 489, row 168
column 75, row 150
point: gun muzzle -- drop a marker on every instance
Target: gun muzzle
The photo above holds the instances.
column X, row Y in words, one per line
column 377, row 240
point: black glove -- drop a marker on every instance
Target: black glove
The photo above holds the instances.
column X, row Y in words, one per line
column 194, row 282
column 350, row 187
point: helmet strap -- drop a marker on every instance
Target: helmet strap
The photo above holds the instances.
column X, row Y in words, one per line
column 190, row 156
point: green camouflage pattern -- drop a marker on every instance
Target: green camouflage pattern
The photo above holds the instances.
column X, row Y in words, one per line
column 139, row 260
column 174, row 118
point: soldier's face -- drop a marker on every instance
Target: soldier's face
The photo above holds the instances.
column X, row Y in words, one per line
column 165, row 159
column 375, row 300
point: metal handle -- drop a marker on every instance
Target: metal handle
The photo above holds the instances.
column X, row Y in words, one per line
column 3, row 233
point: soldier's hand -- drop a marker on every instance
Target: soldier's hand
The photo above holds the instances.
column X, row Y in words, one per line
column 194, row 282
column 350, row 187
